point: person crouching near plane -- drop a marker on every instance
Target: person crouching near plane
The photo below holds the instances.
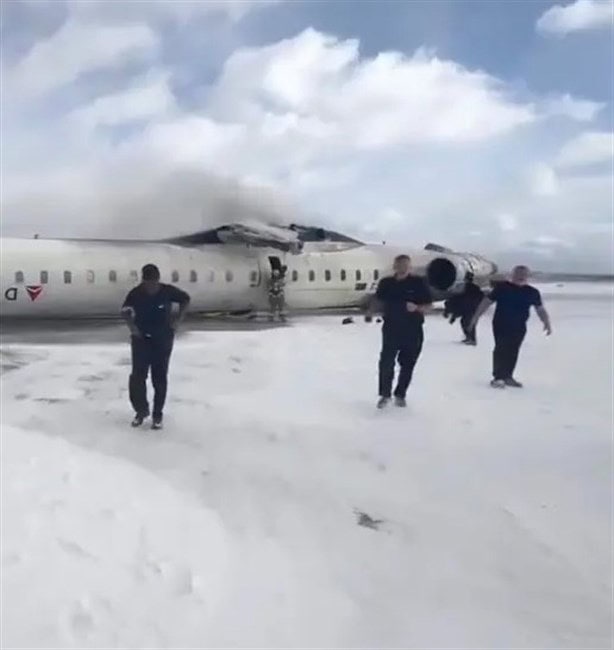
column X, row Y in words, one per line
column 277, row 298
column 470, row 300
column 514, row 299
column 404, row 299
column 147, row 310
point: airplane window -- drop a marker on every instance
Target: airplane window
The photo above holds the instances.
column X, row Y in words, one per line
column 44, row 277
column 343, row 275
column 327, row 275
column 211, row 276
column 376, row 274
column 90, row 277
column 134, row 276
column 229, row 276
column 358, row 275
column 18, row 277
column 312, row 276
column 112, row 276
column 253, row 276
column 175, row 276
column 295, row 276
column 193, row 276
column 67, row 277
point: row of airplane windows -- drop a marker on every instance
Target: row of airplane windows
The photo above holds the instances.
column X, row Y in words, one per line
column 90, row 276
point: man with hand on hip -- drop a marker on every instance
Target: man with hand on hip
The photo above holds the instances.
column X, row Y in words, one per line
column 147, row 310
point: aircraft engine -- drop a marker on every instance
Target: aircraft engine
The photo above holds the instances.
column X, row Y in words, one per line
column 445, row 274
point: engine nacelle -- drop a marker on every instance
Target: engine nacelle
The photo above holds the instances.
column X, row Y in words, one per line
column 445, row 274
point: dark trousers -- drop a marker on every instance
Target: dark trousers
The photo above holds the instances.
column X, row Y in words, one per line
column 508, row 340
column 155, row 354
column 469, row 332
column 405, row 349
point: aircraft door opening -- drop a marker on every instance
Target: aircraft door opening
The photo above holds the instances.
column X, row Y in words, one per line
column 276, row 264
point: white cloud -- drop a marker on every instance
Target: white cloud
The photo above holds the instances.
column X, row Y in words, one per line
column 318, row 83
column 543, row 180
column 403, row 148
column 578, row 16
column 180, row 11
column 507, row 222
column 552, row 242
column 592, row 147
column 76, row 49
column 146, row 98
column 192, row 140
column 581, row 110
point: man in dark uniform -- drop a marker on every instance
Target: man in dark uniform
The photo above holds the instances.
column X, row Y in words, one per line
column 404, row 299
column 148, row 311
column 514, row 299
column 470, row 300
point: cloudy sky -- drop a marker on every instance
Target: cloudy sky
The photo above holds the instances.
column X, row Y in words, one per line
column 484, row 126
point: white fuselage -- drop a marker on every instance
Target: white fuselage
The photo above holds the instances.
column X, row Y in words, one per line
column 53, row 278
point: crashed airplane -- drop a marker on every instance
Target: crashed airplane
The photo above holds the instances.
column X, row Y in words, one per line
column 224, row 270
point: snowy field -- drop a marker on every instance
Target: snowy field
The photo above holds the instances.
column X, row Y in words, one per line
column 279, row 509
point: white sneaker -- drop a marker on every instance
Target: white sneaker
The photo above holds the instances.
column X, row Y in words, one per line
column 497, row 383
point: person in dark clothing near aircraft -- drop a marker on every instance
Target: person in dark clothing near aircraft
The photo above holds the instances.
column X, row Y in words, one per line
column 148, row 312
column 514, row 300
column 277, row 298
column 404, row 299
column 451, row 308
column 470, row 300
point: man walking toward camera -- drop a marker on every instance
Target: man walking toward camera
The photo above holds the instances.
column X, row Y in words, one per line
column 514, row 300
column 147, row 310
column 404, row 299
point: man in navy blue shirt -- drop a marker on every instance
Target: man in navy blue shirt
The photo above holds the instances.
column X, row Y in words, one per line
column 147, row 310
column 514, row 300
column 404, row 299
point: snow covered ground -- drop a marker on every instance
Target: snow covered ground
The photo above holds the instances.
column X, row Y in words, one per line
column 279, row 509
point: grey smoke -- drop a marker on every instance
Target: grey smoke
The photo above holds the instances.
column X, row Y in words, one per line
column 135, row 201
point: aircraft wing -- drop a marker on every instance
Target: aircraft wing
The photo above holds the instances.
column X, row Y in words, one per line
column 246, row 232
column 258, row 234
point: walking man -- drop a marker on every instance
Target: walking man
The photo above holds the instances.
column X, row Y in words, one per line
column 470, row 299
column 147, row 310
column 404, row 299
column 514, row 299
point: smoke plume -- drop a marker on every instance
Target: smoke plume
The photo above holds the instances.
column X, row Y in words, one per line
column 138, row 201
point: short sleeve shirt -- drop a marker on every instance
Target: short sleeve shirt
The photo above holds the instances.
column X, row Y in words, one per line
column 514, row 302
column 394, row 295
column 152, row 313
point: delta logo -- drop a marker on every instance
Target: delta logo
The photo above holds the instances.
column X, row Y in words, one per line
column 34, row 291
